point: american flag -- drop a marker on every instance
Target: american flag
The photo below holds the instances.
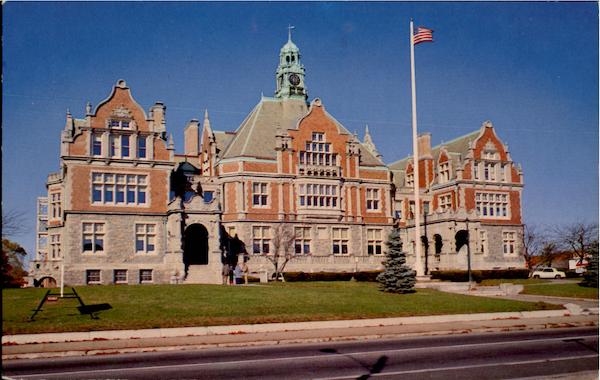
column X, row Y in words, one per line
column 422, row 35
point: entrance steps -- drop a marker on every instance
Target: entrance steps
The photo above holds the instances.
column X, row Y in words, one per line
column 203, row 274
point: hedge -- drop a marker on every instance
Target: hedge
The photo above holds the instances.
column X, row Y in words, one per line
column 479, row 275
column 331, row 276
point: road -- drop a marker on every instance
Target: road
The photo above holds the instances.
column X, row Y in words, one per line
column 482, row 356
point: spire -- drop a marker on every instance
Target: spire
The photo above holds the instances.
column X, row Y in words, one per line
column 206, row 120
column 368, row 142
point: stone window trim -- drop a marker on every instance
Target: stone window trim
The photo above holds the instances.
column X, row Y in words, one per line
column 93, row 276
column 409, row 179
column 493, row 205
column 373, row 199
column 302, row 242
column 445, row 202
column 340, row 241
column 120, row 146
column 318, row 195
column 145, row 235
column 120, row 276
column 375, row 241
column 96, row 144
column 119, row 189
column 146, row 276
column 120, row 123
column 509, row 242
column 483, row 242
column 261, row 239
column 444, row 173
column 55, row 251
column 261, row 192
column 55, row 201
column 95, row 231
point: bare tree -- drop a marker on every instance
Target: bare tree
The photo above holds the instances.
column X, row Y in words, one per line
column 283, row 248
column 533, row 240
column 576, row 237
column 548, row 253
column 13, row 223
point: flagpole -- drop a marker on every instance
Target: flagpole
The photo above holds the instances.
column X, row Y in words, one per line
column 418, row 261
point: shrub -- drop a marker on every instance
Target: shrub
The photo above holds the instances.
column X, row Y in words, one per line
column 330, row 276
column 479, row 275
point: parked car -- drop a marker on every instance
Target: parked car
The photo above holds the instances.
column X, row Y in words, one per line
column 548, row 273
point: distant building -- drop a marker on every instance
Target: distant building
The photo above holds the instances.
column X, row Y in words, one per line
column 125, row 208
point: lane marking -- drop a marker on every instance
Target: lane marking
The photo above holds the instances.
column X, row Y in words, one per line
column 456, row 367
column 308, row 357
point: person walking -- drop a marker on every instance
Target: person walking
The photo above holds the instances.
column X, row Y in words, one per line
column 225, row 273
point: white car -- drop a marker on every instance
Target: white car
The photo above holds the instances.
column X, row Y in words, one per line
column 548, row 273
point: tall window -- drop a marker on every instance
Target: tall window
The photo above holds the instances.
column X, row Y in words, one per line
column 92, row 276
column 410, row 179
column 508, row 242
column 444, row 170
column 445, row 202
column 318, row 152
column 55, row 246
column 492, row 205
column 119, row 146
column 261, row 237
column 489, row 172
column 483, row 241
column 145, row 236
column 55, row 206
column 93, row 237
column 318, row 195
column 141, row 147
column 119, row 189
column 260, row 194
column 340, row 241
column 302, row 242
column 96, row 144
column 125, row 145
column 373, row 199
column 475, row 170
column 374, row 241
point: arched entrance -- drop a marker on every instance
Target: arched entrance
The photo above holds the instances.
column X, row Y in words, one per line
column 46, row 282
column 195, row 245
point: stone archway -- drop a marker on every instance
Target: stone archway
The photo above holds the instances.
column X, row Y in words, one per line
column 46, row 282
column 195, row 245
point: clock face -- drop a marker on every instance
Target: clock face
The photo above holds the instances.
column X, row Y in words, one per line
column 294, row 79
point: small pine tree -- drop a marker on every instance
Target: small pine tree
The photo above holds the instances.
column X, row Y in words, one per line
column 590, row 278
column 397, row 277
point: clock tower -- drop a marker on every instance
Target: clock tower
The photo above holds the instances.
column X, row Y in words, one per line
column 290, row 72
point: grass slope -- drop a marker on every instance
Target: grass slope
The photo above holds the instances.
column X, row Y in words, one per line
column 561, row 290
column 153, row 306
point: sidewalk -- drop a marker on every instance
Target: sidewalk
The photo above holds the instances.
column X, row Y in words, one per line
column 124, row 341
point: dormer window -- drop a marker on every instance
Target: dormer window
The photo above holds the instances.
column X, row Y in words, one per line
column 410, row 180
column 444, row 170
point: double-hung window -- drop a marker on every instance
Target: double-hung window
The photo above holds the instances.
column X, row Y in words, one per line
column 261, row 237
column 508, row 242
column 445, row 202
column 55, row 246
column 372, row 199
column 145, row 238
column 260, row 194
column 444, row 170
column 374, row 241
column 141, row 147
column 340, row 241
column 96, row 144
column 302, row 242
column 93, row 237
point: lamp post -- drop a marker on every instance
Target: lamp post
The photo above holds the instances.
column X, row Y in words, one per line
column 468, row 252
column 426, row 241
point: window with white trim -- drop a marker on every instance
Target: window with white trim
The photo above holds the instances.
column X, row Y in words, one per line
column 145, row 276
column 119, row 123
column 445, row 202
column 141, row 147
column 483, row 241
column 260, row 194
column 372, row 199
column 339, row 241
column 317, row 152
column 261, row 238
column 444, row 170
column 55, row 206
column 476, row 170
column 93, row 237
column 120, row 276
column 96, row 144
column 92, row 276
column 492, row 205
column 119, row 189
column 410, row 180
column 318, row 195
column 302, row 241
column 119, row 146
column 508, row 242
column 145, row 238
column 374, row 241
column 55, row 246
column 489, row 171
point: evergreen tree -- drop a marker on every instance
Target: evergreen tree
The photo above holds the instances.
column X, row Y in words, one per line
column 397, row 277
column 590, row 278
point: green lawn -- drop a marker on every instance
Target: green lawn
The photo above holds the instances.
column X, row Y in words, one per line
column 523, row 281
column 152, row 306
column 561, row 290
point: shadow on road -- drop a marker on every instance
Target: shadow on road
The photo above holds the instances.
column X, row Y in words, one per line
column 377, row 367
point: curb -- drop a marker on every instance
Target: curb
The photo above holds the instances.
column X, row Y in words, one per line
column 270, row 327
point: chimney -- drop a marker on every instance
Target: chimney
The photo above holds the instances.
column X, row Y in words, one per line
column 424, row 145
column 191, row 138
column 158, row 111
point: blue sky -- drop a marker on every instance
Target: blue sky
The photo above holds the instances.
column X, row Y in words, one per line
column 530, row 68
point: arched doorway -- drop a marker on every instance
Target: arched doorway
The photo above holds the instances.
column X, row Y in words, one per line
column 47, row 282
column 195, row 245
column 461, row 240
